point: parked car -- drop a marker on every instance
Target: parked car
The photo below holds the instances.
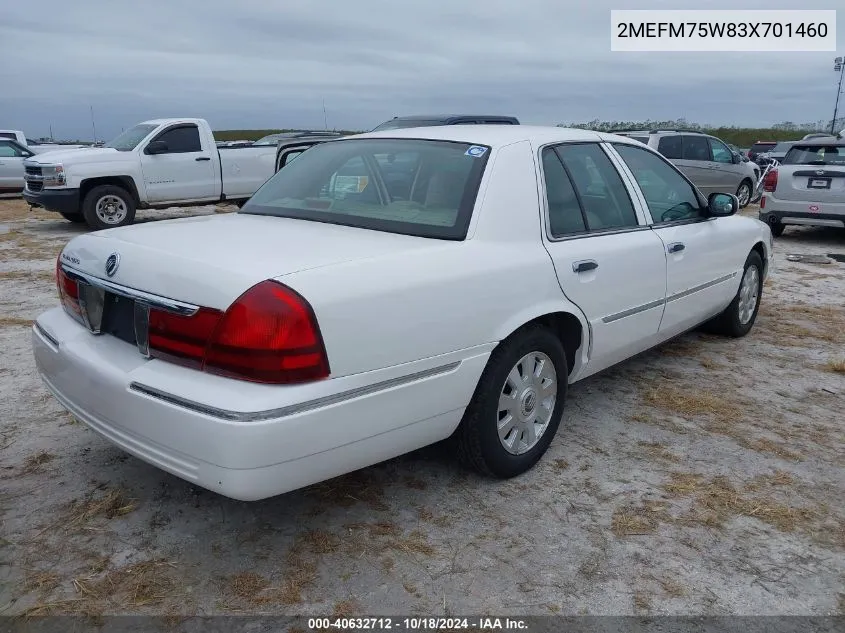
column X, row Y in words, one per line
column 337, row 320
column 35, row 147
column 778, row 152
column 427, row 120
column 12, row 155
column 292, row 144
column 160, row 163
column 706, row 160
column 808, row 187
column 760, row 147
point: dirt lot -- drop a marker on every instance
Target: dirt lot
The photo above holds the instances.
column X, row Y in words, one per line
column 705, row 477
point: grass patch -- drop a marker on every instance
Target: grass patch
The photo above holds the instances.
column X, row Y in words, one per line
column 790, row 324
column 137, row 585
column 348, row 490
column 246, row 585
column 689, row 403
column 560, row 464
column 114, row 503
column 638, row 520
column 41, row 581
column 836, row 366
column 11, row 321
column 346, row 608
column 33, row 463
column 716, row 500
column 657, row 451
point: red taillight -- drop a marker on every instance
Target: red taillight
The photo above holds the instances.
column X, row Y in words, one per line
column 182, row 339
column 770, row 182
column 763, row 202
column 269, row 334
column 68, row 291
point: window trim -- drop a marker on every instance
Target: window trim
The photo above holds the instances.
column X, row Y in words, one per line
column 699, row 196
column 588, row 233
column 711, row 140
column 174, row 127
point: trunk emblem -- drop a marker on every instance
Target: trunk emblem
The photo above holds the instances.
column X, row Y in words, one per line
column 112, row 264
column 820, row 172
column 813, row 207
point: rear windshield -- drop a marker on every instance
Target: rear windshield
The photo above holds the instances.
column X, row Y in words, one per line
column 781, row 148
column 816, row 155
column 763, row 146
column 409, row 186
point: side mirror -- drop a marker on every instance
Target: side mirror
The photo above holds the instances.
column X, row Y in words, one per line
column 720, row 205
column 156, row 147
column 737, row 159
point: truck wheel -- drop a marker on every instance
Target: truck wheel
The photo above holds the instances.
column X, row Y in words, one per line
column 107, row 206
column 73, row 217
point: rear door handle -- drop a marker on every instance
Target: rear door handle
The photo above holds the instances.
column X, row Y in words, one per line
column 202, row 158
column 676, row 247
column 584, row 265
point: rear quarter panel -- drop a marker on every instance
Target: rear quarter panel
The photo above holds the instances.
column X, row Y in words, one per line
column 380, row 312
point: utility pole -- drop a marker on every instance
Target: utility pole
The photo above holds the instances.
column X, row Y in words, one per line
column 325, row 116
column 838, row 66
column 93, row 127
column 51, row 133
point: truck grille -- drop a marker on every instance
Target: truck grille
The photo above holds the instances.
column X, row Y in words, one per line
column 34, row 178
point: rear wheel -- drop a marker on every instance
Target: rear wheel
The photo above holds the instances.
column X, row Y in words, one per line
column 73, row 217
column 738, row 318
column 108, row 206
column 777, row 228
column 517, row 406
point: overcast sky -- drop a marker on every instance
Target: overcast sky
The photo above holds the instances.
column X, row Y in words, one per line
column 271, row 63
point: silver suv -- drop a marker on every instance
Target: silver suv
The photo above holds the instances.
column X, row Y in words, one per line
column 707, row 161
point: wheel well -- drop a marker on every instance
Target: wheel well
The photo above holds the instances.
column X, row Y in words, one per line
column 124, row 182
column 762, row 252
column 568, row 329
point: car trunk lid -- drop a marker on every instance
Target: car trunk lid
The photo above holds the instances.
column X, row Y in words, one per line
column 811, row 183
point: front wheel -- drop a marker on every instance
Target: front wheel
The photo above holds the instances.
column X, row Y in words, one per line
column 738, row 318
column 517, row 406
column 744, row 193
column 108, row 206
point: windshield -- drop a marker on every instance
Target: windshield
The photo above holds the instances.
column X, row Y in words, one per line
column 129, row 139
column 271, row 139
column 397, row 124
column 781, row 148
column 816, row 155
column 407, row 186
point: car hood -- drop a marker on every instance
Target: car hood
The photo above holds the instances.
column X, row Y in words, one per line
column 211, row 260
column 77, row 156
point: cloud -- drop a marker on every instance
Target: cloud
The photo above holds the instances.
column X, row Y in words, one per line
column 252, row 63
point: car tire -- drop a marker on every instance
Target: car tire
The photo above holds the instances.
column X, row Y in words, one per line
column 78, row 218
column 477, row 439
column 777, row 228
column 107, row 207
column 739, row 317
column 745, row 189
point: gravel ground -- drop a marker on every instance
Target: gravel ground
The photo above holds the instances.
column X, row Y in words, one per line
column 704, row 477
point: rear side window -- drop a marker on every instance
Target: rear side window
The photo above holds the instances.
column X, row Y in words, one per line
column 671, row 147
column 600, row 189
column 696, row 148
column 182, row 139
column 565, row 216
column 7, row 150
column 815, row 155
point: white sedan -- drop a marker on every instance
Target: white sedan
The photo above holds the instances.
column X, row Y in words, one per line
column 387, row 291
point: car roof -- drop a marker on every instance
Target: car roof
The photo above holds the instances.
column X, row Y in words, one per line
column 446, row 117
column 821, row 140
column 498, row 135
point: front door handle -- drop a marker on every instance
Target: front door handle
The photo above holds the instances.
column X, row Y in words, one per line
column 676, row 247
column 202, row 158
column 584, row 265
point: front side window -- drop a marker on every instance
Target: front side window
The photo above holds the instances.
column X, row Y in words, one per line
column 409, row 186
column 8, row 150
column 695, row 148
column 181, row 140
column 669, row 196
column 600, row 189
column 129, row 139
column 721, row 152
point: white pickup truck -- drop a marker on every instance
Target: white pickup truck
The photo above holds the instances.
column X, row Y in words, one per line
column 155, row 164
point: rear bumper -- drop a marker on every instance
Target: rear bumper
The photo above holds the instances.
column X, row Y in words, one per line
column 243, row 440
column 58, row 200
column 796, row 212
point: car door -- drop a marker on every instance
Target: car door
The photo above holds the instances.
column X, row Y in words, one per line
column 696, row 162
column 699, row 250
column 607, row 260
column 726, row 173
column 185, row 171
column 12, row 156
